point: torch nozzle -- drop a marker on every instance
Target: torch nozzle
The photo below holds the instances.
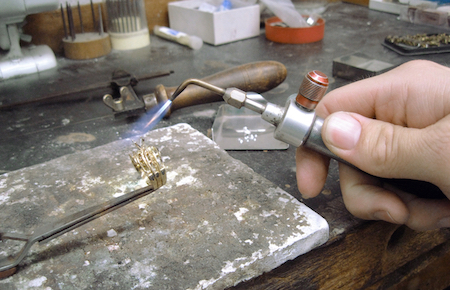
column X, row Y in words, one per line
column 183, row 86
column 232, row 96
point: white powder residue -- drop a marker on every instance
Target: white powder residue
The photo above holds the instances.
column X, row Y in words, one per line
column 38, row 282
column 337, row 231
column 187, row 180
column 88, row 182
column 228, row 268
column 111, row 233
column 143, row 272
column 128, row 187
column 171, row 175
column 203, row 284
column 266, row 213
column 240, row 213
column 284, row 200
column 165, row 138
column 65, row 121
column 114, row 247
column 4, row 196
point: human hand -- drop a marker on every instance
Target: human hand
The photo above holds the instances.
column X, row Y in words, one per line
column 395, row 125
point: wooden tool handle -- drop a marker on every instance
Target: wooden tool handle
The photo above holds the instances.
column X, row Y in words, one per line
column 256, row 77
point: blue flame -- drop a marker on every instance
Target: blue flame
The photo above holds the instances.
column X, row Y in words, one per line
column 156, row 114
column 151, row 118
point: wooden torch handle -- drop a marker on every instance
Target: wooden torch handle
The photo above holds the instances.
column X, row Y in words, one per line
column 255, row 77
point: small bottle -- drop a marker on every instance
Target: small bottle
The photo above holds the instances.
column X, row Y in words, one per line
column 191, row 41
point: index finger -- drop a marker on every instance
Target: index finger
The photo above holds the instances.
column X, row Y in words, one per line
column 400, row 96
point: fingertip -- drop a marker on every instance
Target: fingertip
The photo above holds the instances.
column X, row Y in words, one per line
column 444, row 223
column 378, row 204
column 365, row 198
column 311, row 172
column 427, row 214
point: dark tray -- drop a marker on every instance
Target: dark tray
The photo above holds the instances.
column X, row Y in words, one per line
column 405, row 49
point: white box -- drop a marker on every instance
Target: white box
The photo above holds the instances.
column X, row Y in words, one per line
column 397, row 8
column 384, row 6
column 214, row 28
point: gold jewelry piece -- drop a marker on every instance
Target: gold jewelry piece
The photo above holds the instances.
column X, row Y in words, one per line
column 147, row 160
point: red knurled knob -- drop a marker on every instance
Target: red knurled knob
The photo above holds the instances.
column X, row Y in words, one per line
column 313, row 88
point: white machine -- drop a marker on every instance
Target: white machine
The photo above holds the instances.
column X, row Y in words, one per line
column 19, row 61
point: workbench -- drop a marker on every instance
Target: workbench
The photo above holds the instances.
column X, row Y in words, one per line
column 359, row 254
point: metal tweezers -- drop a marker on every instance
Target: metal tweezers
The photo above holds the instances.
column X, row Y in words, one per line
column 48, row 232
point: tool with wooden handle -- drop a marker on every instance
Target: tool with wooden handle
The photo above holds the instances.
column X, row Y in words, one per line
column 257, row 77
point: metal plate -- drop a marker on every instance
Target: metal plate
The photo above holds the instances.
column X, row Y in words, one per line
column 242, row 129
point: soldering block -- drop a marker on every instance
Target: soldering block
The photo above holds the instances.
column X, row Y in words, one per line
column 358, row 66
column 214, row 224
column 214, row 28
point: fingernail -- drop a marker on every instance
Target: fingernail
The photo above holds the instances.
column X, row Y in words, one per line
column 444, row 223
column 342, row 131
column 384, row 216
column 305, row 196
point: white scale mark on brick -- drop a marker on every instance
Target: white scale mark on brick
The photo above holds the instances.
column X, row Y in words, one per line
column 114, row 247
column 230, row 267
column 187, row 180
column 240, row 213
column 38, row 282
column 111, row 233
column 144, row 272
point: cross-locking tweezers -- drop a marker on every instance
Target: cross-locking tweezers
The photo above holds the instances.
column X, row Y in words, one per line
column 48, row 232
column 147, row 160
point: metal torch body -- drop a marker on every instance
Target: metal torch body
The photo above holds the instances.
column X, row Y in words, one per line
column 297, row 126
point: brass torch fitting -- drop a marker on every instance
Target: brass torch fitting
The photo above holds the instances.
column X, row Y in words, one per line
column 313, row 88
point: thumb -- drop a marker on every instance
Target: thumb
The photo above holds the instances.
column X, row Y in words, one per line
column 376, row 147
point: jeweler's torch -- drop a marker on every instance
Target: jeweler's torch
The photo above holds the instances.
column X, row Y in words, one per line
column 296, row 123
